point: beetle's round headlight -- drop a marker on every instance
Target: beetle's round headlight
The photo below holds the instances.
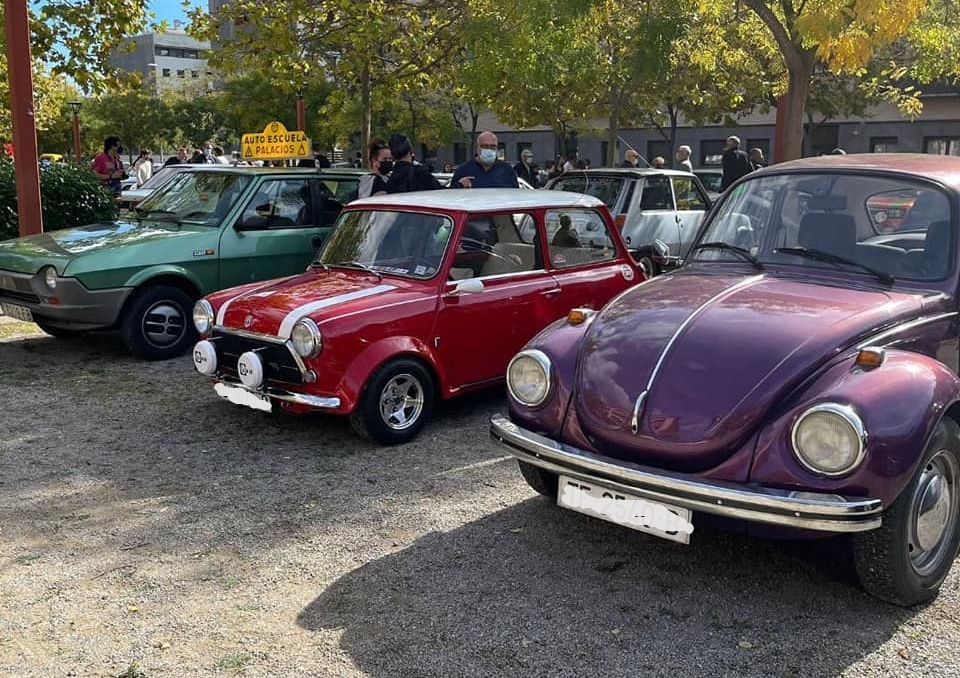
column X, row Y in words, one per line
column 829, row 439
column 50, row 278
column 203, row 317
column 306, row 338
column 528, row 377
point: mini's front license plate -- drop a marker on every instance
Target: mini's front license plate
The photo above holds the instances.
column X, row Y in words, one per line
column 17, row 312
column 661, row 520
column 241, row 396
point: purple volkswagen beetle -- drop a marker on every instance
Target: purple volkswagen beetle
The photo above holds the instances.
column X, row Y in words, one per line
column 797, row 376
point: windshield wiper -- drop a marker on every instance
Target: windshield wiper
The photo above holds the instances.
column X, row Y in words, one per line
column 153, row 214
column 727, row 247
column 357, row 264
column 831, row 258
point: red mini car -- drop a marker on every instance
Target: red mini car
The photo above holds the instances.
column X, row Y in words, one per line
column 414, row 296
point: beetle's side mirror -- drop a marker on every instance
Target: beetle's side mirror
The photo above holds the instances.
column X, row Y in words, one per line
column 468, row 286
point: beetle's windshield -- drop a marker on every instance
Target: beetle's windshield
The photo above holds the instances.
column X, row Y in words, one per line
column 409, row 244
column 888, row 227
column 194, row 197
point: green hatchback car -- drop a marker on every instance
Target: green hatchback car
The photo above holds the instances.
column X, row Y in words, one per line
column 208, row 229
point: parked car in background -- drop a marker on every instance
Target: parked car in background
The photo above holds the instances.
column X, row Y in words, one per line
column 711, row 178
column 798, row 377
column 130, row 197
column 208, row 228
column 657, row 211
column 416, row 296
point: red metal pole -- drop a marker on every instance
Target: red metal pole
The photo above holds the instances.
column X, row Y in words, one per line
column 301, row 116
column 76, row 137
column 25, row 166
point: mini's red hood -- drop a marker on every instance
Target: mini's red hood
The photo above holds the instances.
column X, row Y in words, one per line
column 712, row 354
column 274, row 308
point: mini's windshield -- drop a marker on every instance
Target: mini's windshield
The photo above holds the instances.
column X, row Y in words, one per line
column 194, row 197
column 885, row 227
column 409, row 244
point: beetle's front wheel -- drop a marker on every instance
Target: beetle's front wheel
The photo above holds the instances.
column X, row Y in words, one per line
column 906, row 560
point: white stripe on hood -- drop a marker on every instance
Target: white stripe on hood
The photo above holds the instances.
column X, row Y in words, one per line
column 286, row 327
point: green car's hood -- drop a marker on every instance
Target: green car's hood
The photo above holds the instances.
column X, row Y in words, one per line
column 28, row 255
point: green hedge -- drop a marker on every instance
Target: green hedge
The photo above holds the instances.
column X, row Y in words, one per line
column 72, row 195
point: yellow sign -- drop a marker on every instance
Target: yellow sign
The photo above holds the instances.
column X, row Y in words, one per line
column 275, row 143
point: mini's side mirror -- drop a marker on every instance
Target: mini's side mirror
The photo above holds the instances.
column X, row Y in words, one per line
column 468, row 286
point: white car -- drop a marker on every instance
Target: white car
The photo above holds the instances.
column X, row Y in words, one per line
column 131, row 197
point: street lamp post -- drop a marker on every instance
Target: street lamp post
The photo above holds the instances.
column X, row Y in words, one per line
column 75, row 107
column 301, row 114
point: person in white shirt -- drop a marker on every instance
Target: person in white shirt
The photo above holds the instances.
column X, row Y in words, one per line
column 221, row 156
column 143, row 167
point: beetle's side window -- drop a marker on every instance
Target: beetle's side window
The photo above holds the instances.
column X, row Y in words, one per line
column 280, row 203
column 497, row 244
column 578, row 237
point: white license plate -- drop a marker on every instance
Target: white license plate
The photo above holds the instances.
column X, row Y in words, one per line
column 241, row 396
column 661, row 520
column 17, row 312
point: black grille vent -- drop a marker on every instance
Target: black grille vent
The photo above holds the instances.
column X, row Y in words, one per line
column 278, row 364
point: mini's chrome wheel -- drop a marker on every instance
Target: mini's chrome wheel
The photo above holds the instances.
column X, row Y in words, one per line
column 401, row 402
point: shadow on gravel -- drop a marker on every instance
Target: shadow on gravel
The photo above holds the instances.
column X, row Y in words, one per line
column 535, row 591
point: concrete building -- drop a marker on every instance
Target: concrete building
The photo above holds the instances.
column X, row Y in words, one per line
column 170, row 61
column 883, row 129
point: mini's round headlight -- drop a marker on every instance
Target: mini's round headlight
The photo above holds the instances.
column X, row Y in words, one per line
column 203, row 316
column 829, row 439
column 50, row 278
column 306, row 338
column 528, row 377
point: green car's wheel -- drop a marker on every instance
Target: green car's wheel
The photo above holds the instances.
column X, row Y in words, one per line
column 157, row 323
column 907, row 558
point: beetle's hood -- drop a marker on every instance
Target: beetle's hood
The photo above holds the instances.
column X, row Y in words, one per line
column 274, row 308
column 713, row 354
column 28, row 254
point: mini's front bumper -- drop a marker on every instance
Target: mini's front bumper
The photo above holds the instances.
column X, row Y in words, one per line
column 71, row 305
column 801, row 510
column 315, row 402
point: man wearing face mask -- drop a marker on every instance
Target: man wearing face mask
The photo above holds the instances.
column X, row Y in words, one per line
column 485, row 170
column 525, row 169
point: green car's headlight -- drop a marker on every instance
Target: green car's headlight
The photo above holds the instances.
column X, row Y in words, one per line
column 49, row 277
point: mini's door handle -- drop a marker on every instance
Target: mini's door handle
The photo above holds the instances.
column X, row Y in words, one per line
column 551, row 292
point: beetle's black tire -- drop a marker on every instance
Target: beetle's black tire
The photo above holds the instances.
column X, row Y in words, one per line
column 544, row 482
column 648, row 266
column 58, row 332
column 153, row 309
column 366, row 418
column 882, row 556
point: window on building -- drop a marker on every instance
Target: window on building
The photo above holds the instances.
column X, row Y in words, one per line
column 711, row 151
column 883, row 144
column 194, row 74
column 166, row 72
column 162, row 51
column 942, row 145
column 180, row 74
column 191, row 55
column 501, row 151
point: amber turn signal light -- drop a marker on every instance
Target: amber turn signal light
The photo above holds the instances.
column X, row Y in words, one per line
column 578, row 316
column 868, row 358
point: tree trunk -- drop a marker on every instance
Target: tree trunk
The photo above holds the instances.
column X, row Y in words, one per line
column 367, row 113
column 795, row 101
column 613, row 134
column 674, row 116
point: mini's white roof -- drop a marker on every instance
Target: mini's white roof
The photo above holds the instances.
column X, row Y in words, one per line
column 480, row 199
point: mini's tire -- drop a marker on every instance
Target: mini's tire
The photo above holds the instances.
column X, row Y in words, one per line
column 157, row 323
column 54, row 331
column 542, row 481
column 396, row 402
column 907, row 558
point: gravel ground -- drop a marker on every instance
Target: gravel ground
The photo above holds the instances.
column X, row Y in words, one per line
column 148, row 528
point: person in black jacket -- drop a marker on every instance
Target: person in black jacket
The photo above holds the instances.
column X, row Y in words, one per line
column 526, row 170
column 406, row 176
column 736, row 163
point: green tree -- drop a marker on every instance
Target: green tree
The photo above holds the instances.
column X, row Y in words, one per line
column 138, row 118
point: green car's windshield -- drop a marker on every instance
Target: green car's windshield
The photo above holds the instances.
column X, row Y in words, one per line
column 195, row 197
column 887, row 227
column 409, row 244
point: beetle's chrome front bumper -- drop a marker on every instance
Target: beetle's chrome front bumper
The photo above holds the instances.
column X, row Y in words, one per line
column 807, row 510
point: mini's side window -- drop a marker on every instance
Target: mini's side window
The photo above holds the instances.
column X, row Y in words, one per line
column 578, row 237
column 280, row 203
column 497, row 244
column 688, row 195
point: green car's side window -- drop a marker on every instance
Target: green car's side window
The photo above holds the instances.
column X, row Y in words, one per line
column 279, row 204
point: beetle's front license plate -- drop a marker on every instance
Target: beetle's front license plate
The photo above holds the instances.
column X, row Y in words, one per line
column 241, row 396
column 17, row 312
column 661, row 520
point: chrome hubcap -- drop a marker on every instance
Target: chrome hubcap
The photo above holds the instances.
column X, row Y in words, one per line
column 647, row 266
column 163, row 324
column 933, row 513
column 401, row 402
